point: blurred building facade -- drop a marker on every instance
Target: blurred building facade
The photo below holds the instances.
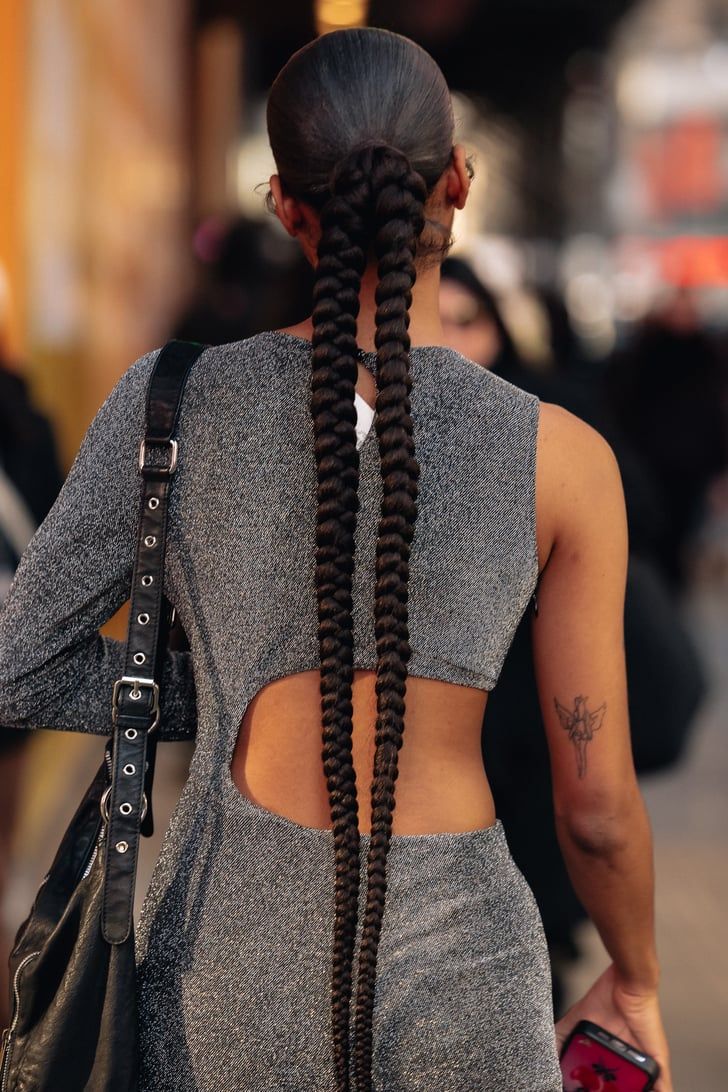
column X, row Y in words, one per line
column 96, row 167
column 599, row 134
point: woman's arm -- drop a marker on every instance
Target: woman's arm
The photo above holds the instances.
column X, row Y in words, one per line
column 578, row 637
column 56, row 671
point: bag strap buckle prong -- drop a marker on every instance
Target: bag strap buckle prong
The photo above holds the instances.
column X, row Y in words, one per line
column 138, row 686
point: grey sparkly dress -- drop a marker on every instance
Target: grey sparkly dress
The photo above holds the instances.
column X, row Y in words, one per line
column 234, row 942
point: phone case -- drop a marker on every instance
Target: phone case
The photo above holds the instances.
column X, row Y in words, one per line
column 594, row 1060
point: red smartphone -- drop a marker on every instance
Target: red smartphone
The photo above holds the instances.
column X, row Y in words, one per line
column 594, row 1060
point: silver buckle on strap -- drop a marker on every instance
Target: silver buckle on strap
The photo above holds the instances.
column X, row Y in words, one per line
column 168, row 470
column 137, row 686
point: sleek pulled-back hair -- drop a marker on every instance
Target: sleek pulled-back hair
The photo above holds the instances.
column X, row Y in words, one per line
column 361, row 128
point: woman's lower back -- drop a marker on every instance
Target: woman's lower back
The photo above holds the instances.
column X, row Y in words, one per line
column 234, row 983
column 441, row 784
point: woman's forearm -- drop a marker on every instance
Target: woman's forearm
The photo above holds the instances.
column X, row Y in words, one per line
column 609, row 861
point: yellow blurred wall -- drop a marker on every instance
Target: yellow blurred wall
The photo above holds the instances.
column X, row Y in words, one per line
column 98, row 224
column 13, row 43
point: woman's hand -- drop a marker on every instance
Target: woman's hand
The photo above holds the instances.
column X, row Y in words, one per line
column 631, row 1014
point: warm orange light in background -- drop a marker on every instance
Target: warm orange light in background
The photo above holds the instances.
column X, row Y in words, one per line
column 335, row 14
column 12, row 96
column 681, row 166
column 681, row 261
column 692, row 262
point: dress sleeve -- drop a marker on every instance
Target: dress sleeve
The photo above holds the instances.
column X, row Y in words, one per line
column 56, row 670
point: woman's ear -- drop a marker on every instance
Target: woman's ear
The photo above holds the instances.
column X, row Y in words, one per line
column 287, row 209
column 458, row 177
column 298, row 218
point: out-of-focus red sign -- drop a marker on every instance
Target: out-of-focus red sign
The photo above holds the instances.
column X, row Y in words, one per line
column 686, row 261
column 681, row 166
column 691, row 261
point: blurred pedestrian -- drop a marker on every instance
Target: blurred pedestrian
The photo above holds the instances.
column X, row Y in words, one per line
column 668, row 388
column 30, row 479
column 250, row 278
column 472, row 321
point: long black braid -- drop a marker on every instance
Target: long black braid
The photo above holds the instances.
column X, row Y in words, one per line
column 341, row 262
column 361, row 125
column 399, row 194
column 375, row 193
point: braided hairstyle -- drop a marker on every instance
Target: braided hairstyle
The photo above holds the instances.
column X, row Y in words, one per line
column 361, row 127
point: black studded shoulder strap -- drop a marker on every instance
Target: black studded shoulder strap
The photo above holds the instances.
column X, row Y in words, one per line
column 136, row 695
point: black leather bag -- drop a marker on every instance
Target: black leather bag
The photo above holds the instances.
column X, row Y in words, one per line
column 72, row 969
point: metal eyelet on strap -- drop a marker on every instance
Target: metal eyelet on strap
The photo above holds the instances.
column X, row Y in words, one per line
column 143, row 619
column 139, row 657
column 125, row 808
column 157, row 463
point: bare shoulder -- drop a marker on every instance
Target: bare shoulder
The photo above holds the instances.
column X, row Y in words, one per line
column 577, row 476
column 572, row 454
column 567, row 440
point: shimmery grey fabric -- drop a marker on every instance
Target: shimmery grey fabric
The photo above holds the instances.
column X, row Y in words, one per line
column 234, row 941
column 234, row 984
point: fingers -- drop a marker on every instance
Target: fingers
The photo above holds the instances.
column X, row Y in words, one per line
column 564, row 1027
column 664, row 1081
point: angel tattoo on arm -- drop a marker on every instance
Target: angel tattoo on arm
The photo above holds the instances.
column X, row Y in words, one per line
column 581, row 726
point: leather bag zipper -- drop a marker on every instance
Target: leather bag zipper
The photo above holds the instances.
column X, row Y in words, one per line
column 89, row 866
column 8, row 1034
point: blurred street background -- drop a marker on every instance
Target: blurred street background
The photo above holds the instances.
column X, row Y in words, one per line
column 590, row 266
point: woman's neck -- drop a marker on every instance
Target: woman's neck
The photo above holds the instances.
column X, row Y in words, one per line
column 425, row 327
